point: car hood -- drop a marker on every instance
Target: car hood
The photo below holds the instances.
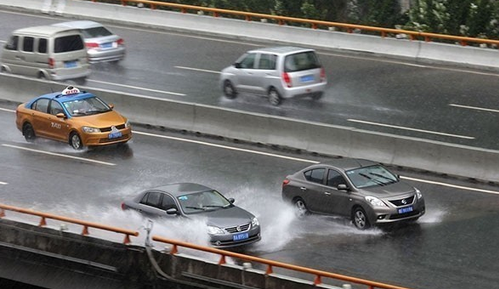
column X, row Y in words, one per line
column 227, row 217
column 105, row 119
column 391, row 190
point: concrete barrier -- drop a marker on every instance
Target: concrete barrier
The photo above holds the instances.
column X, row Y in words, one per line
column 439, row 157
column 240, row 29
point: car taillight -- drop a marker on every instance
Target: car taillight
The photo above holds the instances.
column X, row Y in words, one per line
column 120, row 41
column 91, row 45
column 285, row 182
column 287, row 80
column 323, row 75
column 51, row 62
column 123, row 206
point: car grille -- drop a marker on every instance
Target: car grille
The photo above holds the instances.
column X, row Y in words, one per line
column 106, row 129
column 242, row 228
column 403, row 202
column 106, row 140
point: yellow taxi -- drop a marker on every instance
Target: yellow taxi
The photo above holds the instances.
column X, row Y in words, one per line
column 78, row 117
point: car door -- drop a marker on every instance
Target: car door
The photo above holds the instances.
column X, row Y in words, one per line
column 58, row 127
column 312, row 191
column 155, row 204
column 337, row 202
column 265, row 74
column 245, row 69
column 40, row 117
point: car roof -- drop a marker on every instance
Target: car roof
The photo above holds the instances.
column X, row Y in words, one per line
column 61, row 98
column 81, row 24
column 281, row 49
column 349, row 163
column 45, row 30
column 180, row 189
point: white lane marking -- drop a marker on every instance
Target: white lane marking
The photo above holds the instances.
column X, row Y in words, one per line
column 3, row 183
column 411, row 129
column 474, row 107
column 224, row 147
column 197, row 69
column 59, row 155
column 450, row 185
column 137, row 87
column 7, row 110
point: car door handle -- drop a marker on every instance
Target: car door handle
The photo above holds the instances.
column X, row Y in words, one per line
column 327, row 193
column 303, row 188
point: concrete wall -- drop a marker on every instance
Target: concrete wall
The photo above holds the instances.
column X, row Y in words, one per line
column 327, row 139
column 128, row 15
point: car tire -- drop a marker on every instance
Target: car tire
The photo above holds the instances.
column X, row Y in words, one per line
column 42, row 76
column 301, row 210
column 75, row 141
column 29, row 132
column 274, row 97
column 229, row 90
column 359, row 219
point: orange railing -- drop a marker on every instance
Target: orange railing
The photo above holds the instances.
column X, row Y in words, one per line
column 314, row 24
column 270, row 264
column 85, row 224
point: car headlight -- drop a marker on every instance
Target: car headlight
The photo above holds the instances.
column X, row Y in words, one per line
column 127, row 124
column 375, row 202
column 418, row 193
column 212, row 230
column 89, row 129
column 254, row 222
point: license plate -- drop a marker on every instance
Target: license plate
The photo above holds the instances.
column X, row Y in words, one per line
column 115, row 134
column 106, row 45
column 405, row 210
column 307, row 78
column 239, row 237
column 70, row 64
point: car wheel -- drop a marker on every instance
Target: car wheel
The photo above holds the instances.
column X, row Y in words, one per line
column 29, row 132
column 75, row 141
column 359, row 219
column 229, row 90
column 274, row 97
column 301, row 208
column 42, row 76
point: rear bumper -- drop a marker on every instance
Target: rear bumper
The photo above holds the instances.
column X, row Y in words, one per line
column 303, row 91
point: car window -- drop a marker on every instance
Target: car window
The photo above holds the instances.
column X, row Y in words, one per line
column 42, row 45
column 168, row 203
column 334, row 178
column 248, row 61
column 55, row 108
column 315, row 175
column 28, row 44
column 96, row 32
column 267, row 61
column 41, row 105
column 12, row 43
column 301, row 61
column 68, row 43
column 151, row 199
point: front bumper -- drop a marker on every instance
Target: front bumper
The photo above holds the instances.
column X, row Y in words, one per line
column 102, row 139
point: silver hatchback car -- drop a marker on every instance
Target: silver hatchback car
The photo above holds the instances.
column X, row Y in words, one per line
column 102, row 44
column 364, row 191
column 277, row 72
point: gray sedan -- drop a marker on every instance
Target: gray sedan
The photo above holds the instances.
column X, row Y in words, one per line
column 227, row 224
column 364, row 191
column 102, row 44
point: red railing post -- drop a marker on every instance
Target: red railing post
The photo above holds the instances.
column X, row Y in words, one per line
column 174, row 250
column 317, row 280
column 222, row 260
column 2, row 213
column 43, row 222
column 127, row 239
column 269, row 270
column 85, row 231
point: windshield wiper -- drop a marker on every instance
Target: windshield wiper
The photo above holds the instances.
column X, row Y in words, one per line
column 384, row 177
column 374, row 180
column 195, row 208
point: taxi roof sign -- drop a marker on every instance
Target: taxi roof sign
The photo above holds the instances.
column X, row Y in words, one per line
column 70, row 90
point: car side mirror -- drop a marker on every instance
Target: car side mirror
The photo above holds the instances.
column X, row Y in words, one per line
column 342, row 187
column 60, row 115
column 172, row 211
column 237, row 65
column 232, row 200
column 111, row 106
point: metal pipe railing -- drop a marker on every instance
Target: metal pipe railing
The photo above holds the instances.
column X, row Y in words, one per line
column 85, row 224
column 270, row 264
column 314, row 24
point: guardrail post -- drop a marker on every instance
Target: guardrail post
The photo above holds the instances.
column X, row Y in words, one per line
column 463, row 43
column 222, row 260
column 85, row 231
column 123, row 2
column 215, row 14
column 183, row 10
column 269, row 270
column 247, row 17
column 314, row 25
column 174, row 250
column 383, row 34
column 43, row 222
column 427, row 39
column 2, row 213
column 318, row 280
column 127, row 239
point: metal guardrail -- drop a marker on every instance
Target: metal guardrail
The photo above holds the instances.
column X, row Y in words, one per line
column 314, row 24
column 270, row 264
column 85, row 224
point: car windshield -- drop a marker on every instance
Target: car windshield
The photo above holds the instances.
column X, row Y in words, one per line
column 86, row 106
column 202, row 201
column 96, row 32
column 371, row 176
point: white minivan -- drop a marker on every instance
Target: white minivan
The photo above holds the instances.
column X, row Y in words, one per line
column 276, row 72
column 46, row 52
